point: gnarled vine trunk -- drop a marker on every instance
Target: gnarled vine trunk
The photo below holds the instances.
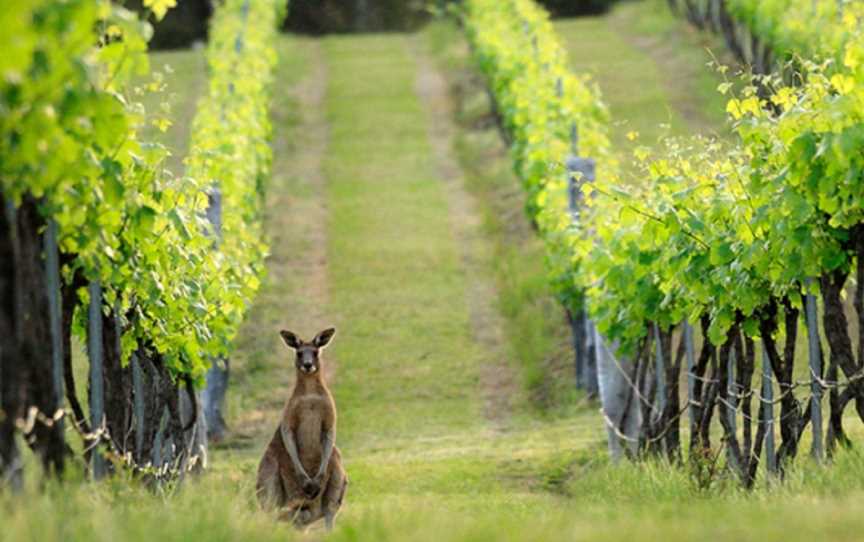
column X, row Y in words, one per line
column 670, row 425
column 11, row 379
column 783, row 368
column 703, row 402
column 30, row 397
column 117, row 386
column 836, row 329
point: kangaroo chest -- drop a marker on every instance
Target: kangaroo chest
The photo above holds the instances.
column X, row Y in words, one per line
column 312, row 412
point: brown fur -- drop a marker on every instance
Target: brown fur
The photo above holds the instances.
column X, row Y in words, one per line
column 309, row 414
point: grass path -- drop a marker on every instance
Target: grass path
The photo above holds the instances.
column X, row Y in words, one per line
column 500, row 384
column 397, row 283
column 412, row 292
column 377, row 228
column 372, row 229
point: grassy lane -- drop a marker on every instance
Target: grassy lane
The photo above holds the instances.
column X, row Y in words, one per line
column 421, row 404
column 397, row 285
column 499, row 383
column 536, row 330
column 409, row 388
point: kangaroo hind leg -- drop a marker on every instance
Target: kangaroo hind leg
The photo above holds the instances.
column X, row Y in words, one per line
column 334, row 492
column 268, row 489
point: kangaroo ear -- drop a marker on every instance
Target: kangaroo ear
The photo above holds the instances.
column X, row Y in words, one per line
column 290, row 339
column 323, row 339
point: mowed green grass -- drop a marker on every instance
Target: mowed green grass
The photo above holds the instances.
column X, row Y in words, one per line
column 424, row 461
column 394, row 267
column 408, row 384
column 535, row 322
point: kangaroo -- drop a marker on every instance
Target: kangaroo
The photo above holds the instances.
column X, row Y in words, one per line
column 301, row 473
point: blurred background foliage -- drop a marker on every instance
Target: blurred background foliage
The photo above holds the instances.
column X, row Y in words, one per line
column 183, row 25
column 187, row 23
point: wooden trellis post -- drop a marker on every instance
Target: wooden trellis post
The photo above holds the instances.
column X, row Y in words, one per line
column 94, row 349
column 583, row 332
column 138, row 404
column 11, row 466
column 590, row 358
column 815, row 374
column 55, row 313
column 159, row 444
column 690, row 352
column 768, row 404
column 731, row 394
column 620, row 404
column 660, row 377
column 605, row 374
column 579, row 171
column 216, row 387
column 731, row 407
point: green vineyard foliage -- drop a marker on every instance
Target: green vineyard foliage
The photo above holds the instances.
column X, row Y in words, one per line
column 526, row 67
column 703, row 227
column 71, row 135
column 800, row 27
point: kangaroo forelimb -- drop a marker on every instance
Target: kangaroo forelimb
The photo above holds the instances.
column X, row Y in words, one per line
column 329, row 438
column 291, row 447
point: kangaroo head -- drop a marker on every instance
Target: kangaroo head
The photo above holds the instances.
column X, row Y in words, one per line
column 307, row 352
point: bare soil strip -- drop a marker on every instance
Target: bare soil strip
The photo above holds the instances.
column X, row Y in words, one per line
column 298, row 213
column 295, row 295
column 499, row 380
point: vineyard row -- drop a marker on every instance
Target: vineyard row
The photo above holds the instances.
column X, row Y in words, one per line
column 739, row 238
column 152, row 271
